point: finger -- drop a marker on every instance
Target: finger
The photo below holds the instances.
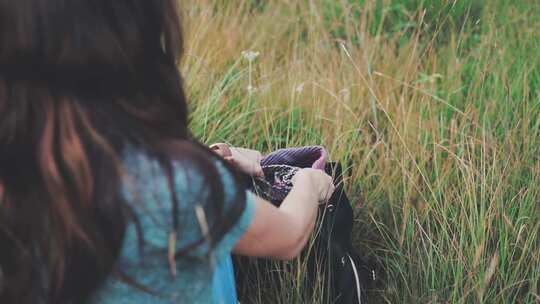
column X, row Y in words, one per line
column 329, row 191
column 259, row 172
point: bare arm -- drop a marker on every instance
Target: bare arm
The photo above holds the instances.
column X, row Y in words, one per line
column 282, row 232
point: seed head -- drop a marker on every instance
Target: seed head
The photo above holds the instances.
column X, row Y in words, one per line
column 300, row 88
column 250, row 55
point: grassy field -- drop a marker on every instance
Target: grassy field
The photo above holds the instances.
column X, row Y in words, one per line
column 437, row 105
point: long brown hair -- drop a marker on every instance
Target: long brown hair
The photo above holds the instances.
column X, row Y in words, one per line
column 79, row 81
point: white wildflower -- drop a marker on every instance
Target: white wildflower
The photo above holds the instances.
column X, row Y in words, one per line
column 250, row 55
column 300, row 88
column 345, row 94
column 251, row 89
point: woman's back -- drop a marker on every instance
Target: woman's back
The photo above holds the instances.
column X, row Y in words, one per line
column 204, row 275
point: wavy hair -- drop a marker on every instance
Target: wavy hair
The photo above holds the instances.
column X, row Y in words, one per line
column 79, row 81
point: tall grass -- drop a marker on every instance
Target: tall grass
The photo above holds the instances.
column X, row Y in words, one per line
column 436, row 103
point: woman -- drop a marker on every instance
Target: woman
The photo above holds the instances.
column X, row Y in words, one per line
column 104, row 195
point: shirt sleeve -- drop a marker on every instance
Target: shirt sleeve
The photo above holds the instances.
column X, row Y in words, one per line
column 229, row 240
column 226, row 244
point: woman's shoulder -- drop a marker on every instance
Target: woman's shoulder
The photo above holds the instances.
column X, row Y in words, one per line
column 152, row 186
column 150, row 189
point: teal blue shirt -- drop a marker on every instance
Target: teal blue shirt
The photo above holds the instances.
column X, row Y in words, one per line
column 203, row 276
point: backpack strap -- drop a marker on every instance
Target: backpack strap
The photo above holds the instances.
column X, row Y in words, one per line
column 356, row 279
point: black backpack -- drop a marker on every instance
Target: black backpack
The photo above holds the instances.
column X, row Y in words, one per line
column 345, row 271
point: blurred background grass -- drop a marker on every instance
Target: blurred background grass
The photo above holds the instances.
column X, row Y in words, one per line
column 436, row 103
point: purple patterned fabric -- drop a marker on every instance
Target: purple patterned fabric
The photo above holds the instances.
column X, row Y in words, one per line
column 303, row 157
column 279, row 168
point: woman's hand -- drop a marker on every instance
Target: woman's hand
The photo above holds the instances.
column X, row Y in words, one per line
column 283, row 232
column 245, row 160
column 316, row 181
